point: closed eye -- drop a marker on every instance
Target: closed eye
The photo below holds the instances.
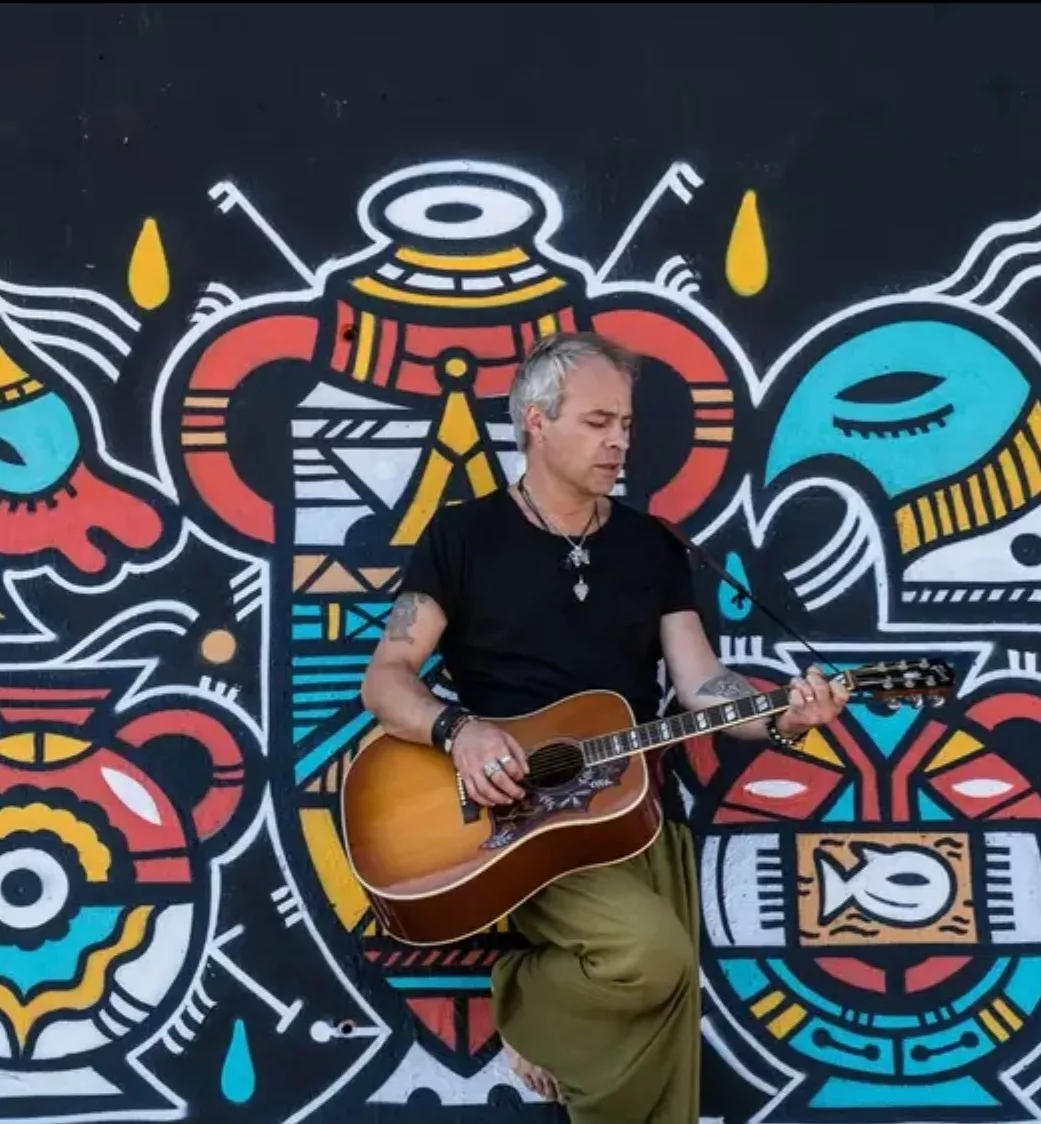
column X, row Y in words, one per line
column 896, row 427
column 894, row 386
column 600, row 422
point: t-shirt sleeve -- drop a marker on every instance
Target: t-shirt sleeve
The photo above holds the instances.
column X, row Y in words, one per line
column 434, row 566
column 689, row 584
column 678, row 594
column 677, row 576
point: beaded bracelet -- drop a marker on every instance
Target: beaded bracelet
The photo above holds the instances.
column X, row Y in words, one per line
column 778, row 738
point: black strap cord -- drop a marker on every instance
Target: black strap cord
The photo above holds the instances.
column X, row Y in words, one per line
column 692, row 548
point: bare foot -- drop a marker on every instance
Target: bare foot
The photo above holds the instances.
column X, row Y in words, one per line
column 537, row 1079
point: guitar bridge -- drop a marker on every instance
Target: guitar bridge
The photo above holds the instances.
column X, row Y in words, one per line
column 471, row 811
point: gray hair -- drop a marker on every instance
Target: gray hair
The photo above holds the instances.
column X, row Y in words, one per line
column 539, row 380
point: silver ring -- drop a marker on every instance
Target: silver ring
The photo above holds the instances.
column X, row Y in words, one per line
column 492, row 768
column 504, row 761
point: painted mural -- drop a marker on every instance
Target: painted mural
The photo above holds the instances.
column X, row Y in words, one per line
column 176, row 908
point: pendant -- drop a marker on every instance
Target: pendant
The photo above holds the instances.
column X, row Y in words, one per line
column 581, row 589
column 579, row 556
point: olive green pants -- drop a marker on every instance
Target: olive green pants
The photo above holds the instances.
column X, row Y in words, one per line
column 607, row 998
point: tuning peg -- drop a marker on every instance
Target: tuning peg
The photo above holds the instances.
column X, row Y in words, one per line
column 936, row 701
column 894, row 704
column 917, row 701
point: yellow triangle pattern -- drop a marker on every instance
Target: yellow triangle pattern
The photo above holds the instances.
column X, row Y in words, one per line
column 816, row 746
column 957, row 746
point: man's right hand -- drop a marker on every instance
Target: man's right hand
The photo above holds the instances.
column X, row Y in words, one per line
column 490, row 763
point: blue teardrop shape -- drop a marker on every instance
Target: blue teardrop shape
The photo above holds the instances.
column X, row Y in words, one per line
column 238, row 1079
column 734, row 606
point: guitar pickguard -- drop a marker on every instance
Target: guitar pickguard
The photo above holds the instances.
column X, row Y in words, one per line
column 517, row 820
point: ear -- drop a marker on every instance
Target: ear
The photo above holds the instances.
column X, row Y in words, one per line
column 536, row 421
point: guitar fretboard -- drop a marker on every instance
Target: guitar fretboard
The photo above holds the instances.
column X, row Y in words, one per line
column 665, row 731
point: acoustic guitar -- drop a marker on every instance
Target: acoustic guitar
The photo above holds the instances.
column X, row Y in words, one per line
column 437, row 868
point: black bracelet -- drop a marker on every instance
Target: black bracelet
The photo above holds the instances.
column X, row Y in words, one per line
column 778, row 738
column 445, row 724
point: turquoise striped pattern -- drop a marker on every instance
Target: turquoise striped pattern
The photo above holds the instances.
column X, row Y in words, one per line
column 326, row 673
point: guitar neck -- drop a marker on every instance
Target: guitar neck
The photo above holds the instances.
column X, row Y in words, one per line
column 665, row 731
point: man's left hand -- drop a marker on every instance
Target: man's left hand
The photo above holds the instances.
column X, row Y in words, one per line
column 814, row 701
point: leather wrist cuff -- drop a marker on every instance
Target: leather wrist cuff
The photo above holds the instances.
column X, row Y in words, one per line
column 445, row 725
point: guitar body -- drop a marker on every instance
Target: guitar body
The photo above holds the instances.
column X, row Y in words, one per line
column 437, row 868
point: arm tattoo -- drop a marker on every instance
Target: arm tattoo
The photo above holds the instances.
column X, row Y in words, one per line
column 403, row 616
column 729, row 685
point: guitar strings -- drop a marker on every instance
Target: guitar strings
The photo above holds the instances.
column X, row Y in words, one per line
column 550, row 759
column 558, row 755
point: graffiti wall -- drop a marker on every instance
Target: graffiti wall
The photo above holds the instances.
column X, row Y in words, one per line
column 237, row 386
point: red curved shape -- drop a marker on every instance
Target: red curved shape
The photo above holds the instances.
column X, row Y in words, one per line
column 65, row 522
column 234, row 356
column 696, row 480
column 991, row 712
column 221, row 488
column 218, row 805
column 656, row 336
column 90, row 778
column 221, row 370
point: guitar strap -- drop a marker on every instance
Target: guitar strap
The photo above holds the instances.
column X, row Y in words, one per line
column 693, row 549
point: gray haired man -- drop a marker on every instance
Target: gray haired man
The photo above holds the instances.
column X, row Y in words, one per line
column 532, row 594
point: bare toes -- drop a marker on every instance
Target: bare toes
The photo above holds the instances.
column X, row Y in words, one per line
column 535, row 1078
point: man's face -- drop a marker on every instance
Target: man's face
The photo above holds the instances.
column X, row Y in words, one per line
column 587, row 443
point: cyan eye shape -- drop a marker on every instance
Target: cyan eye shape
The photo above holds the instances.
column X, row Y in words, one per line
column 39, row 442
column 917, row 380
column 894, row 386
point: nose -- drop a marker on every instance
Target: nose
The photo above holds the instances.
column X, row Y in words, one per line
column 618, row 438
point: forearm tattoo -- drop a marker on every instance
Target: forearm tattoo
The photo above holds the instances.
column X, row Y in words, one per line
column 729, row 685
column 403, row 616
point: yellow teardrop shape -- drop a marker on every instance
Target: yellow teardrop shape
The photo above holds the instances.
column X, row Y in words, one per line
column 149, row 277
column 747, row 265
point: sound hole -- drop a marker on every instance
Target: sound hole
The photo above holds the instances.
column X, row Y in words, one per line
column 554, row 765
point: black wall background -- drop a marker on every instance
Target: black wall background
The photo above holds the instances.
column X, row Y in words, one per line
column 880, row 138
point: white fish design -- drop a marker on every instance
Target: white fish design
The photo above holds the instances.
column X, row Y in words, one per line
column 901, row 885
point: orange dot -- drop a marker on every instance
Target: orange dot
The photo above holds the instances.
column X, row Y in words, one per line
column 218, row 646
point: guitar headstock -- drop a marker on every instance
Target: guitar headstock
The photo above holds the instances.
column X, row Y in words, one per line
column 915, row 682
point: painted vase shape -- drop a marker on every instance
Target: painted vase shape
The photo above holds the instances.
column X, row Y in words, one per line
column 460, row 279
column 102, row 887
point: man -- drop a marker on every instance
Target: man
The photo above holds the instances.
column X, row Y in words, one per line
column 533, row 594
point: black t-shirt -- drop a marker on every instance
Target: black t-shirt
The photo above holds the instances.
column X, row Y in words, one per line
column 518, row 638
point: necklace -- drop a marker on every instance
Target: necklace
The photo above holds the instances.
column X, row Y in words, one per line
column 578, row 555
